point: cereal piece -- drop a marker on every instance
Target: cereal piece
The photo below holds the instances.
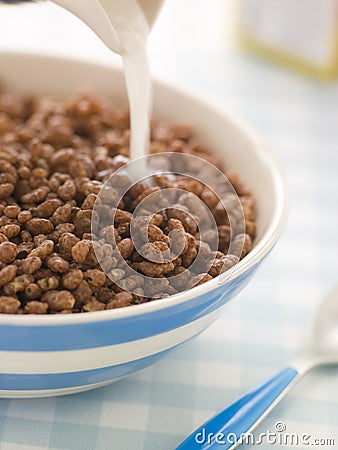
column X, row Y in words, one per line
column 8, row 171
column 39, row 226
column 120, row 300
column 177, row 236
column 48, row 207
column 6, row 189
column 43, row 273
column 125, row 247
column 89, row 201
column 44, row 249
column 154, row 234
column 80, row 251
column 61, row 215
column 121, row 216
column 152, row 269
column 11, row 230
column 7, row 274
column 190, row 254
column 12, row 211
column 58, row 264
column 83, row 222
column 24, row 216
column 65, row 227
column 174, row 224
column 9, row 305
column 220, row 214
column 67, row 191
column 187, row 220
column 39, row 239
column 31, row 264
column 59, row 300
column 189, row 185
column 93, row 305
column 66, row 242
column 24, row 172
column 104, row 294
column 36, row 196
column 222, row 265
column 116, row 274
column 224, row 235
column 95, row 278
column 72, row 279
column 8, row 252
column 83, row 292
column 33, row 291
column 48, row 283
column 39, row 172
column 58, row 131
column 35, row 307
column 156, row 251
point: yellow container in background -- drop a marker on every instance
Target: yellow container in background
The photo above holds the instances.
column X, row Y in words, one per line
column 302, row 34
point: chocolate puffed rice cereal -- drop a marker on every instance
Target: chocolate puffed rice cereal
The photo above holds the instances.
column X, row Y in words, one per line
column 55, row 157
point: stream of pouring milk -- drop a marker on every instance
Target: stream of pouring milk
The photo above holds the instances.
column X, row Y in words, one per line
column 130, row 26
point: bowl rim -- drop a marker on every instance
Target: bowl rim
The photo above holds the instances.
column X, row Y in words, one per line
column 260, row 250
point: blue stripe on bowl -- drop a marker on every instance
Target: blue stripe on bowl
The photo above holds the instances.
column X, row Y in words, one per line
column 117, row 331
column 29, row 382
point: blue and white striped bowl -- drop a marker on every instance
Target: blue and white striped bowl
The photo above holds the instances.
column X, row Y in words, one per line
column 52, row 355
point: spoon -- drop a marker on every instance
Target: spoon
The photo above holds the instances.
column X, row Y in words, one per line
column 243, row 416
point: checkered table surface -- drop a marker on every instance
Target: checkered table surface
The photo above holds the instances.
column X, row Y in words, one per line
column 263, row 328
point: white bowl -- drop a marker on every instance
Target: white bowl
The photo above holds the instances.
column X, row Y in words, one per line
column 52, row 355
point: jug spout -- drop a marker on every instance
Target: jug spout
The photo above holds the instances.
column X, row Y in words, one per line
column 104, row 16
column 93, row 14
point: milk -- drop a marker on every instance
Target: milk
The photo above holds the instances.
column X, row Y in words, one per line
column 132, row 28
column 124, row 25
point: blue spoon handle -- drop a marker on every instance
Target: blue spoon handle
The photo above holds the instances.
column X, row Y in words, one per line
column 225, row 429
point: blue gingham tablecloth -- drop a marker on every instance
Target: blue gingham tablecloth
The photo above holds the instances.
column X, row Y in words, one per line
column 264, row 327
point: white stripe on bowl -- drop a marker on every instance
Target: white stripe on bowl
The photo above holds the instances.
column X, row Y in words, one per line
column 87, row 359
